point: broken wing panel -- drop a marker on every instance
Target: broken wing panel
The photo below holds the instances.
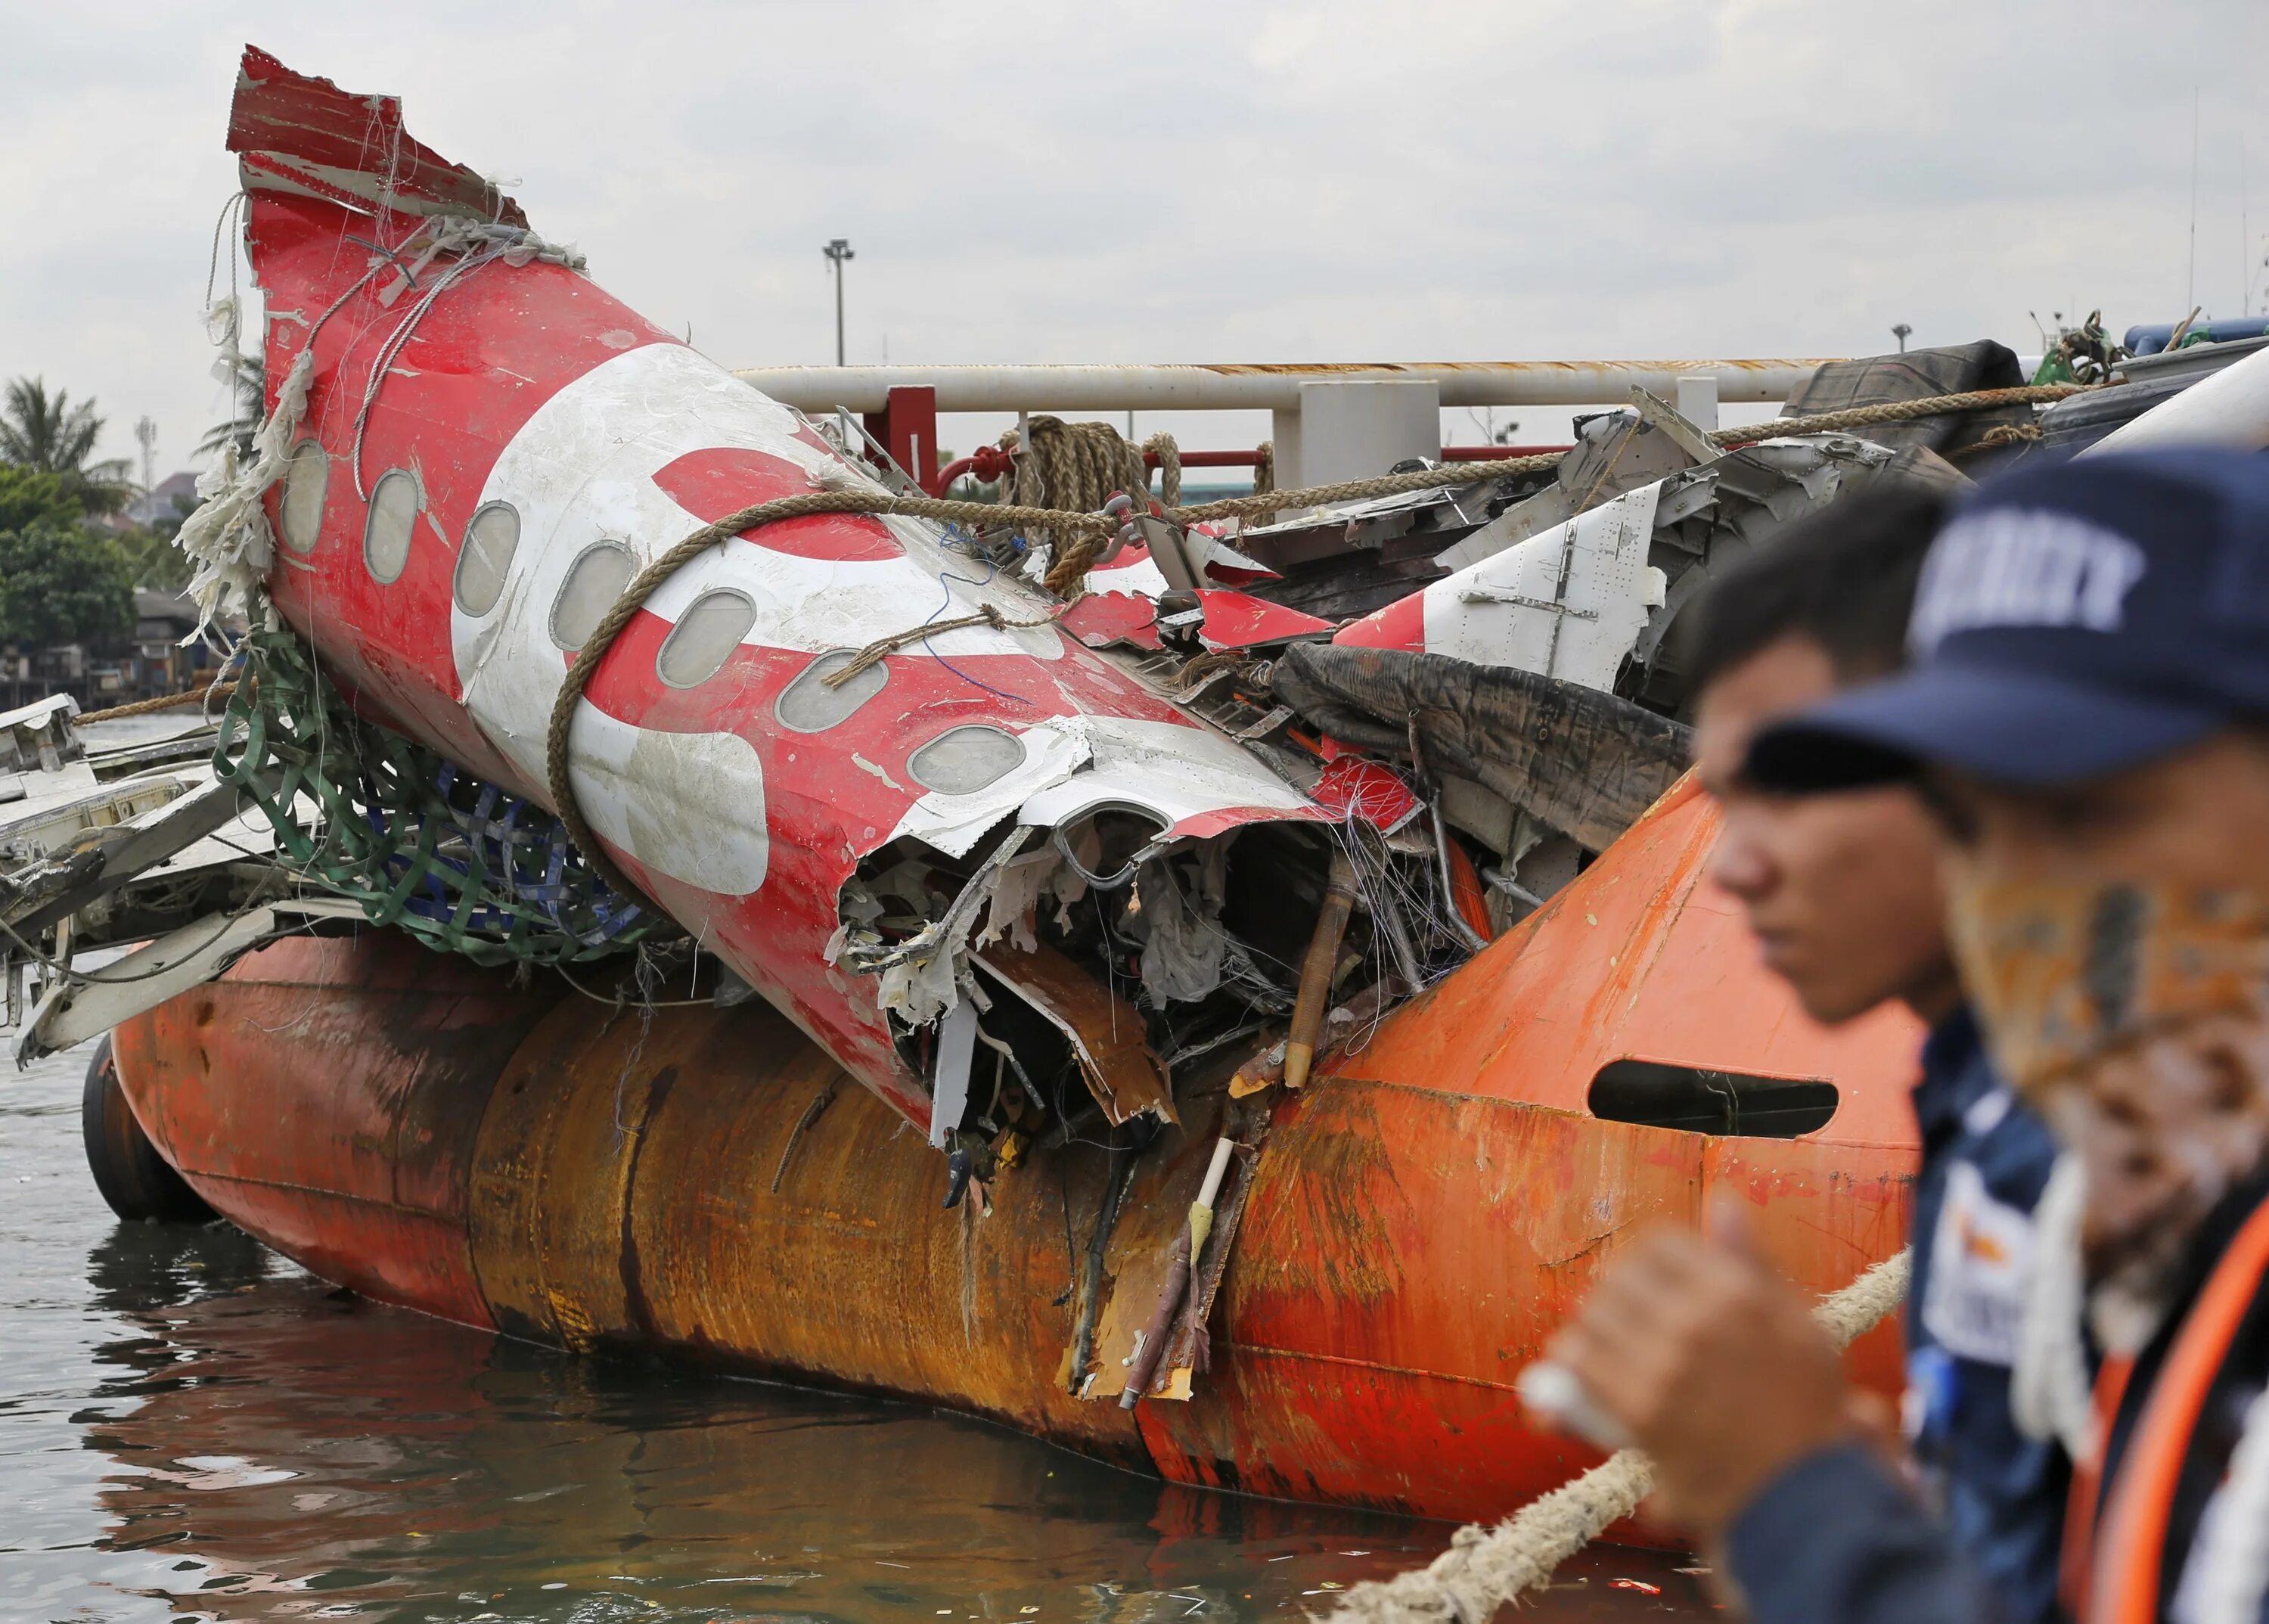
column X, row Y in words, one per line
column 1568, row 603
column 1582, row 761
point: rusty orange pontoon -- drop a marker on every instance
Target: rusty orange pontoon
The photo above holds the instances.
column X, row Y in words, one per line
column 1417, row 1220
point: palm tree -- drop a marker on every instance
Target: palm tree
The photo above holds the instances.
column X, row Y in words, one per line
column 247, row 381
column 48, row 435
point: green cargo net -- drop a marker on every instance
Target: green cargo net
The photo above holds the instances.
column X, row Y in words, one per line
column 419, row 843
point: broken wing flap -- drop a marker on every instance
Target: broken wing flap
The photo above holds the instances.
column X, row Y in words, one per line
column 78, row 1008
column 308, row 138
column 154, row 820
column 1581, row 760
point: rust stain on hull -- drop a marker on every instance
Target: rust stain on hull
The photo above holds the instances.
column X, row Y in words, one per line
column 1417, row 1221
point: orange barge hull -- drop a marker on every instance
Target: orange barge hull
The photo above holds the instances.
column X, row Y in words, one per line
column 1416, row 1224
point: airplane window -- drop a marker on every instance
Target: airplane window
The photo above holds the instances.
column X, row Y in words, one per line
column 395, row 504
column 593, row 582
column 808, row 705
column 485, row 558
column 963, row 760
column 704, row 637
column 306, row 475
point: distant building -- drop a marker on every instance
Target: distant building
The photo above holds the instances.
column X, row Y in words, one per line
column 162, row 505
column 161, row 620
column 153, row 664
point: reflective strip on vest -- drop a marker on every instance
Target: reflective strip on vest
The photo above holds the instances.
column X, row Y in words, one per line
column 2131, row 1543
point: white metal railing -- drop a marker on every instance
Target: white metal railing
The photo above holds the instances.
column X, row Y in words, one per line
column 1265, row 387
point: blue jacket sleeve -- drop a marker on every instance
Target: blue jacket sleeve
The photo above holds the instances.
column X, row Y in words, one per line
column 1838, row 1539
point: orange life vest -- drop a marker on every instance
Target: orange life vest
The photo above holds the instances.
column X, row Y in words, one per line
column 2129, row 1547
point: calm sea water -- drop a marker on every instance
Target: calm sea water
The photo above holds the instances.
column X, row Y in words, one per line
column 191, row 1427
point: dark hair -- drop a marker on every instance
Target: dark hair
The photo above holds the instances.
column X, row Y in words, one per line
column 1843, row 576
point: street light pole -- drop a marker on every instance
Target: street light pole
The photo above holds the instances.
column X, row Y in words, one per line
column 836, row 251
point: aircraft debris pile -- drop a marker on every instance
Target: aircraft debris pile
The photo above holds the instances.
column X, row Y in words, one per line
column 1043, row 870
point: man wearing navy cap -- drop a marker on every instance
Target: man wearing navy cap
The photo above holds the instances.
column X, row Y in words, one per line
column 1842, row 893
column 2088, row 710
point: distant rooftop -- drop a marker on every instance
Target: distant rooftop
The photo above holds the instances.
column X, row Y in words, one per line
column 160, row 502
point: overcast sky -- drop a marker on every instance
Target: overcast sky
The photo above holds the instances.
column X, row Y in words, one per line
column 1329, row 181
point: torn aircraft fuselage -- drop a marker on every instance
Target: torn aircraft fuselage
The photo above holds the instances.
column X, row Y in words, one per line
column 493, row 448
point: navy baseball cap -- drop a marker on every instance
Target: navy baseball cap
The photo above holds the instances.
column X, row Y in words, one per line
column 2071, row 621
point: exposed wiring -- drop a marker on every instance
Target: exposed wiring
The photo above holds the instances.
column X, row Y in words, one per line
column 620, row 1002
column 954, row 537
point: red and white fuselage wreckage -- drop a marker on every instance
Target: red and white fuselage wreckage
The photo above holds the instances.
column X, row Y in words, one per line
column 1083, row 865
column 493, row 447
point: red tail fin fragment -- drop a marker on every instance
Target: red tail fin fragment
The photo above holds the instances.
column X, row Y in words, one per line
column 308, row 137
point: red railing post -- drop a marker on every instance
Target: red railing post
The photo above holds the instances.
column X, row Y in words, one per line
column 906, row 427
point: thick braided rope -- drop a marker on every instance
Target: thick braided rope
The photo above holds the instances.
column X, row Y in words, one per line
column 1163, row 447
column 1775, row 428
column 986, row 616
column 165, row 702
column 1072, row 465
column 1075, row 466
column 1484, row 1568
column 1078, row 555
column 642, row 586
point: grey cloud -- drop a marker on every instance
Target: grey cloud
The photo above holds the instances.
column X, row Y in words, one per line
column 1329, row 179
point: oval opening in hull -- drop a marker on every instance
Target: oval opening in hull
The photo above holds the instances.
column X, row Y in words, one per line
column 1658, row 1095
